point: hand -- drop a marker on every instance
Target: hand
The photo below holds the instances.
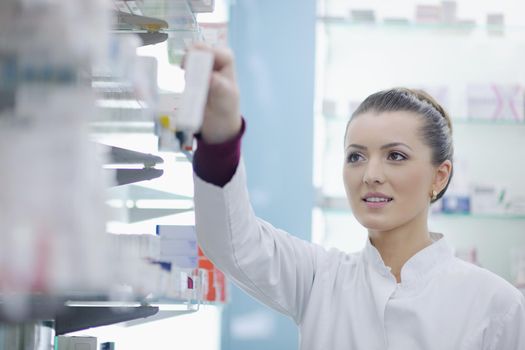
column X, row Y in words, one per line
column 222, row 118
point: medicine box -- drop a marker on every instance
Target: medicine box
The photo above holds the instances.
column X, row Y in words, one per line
column 495, row 101
column 75, row 343
column 177, row 232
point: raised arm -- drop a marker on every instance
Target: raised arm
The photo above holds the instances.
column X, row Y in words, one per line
column 273, row 266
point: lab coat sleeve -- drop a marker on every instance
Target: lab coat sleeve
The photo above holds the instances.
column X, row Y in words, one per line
column 271, row 265
column 508, row 331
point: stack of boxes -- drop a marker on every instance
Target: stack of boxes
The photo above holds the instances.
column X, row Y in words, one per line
column 216, row 281
column 167, row 266
column 132, row 271
column 178, row 246
column 179, row 250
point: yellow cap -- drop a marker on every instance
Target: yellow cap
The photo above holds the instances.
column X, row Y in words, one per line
column 165, row 121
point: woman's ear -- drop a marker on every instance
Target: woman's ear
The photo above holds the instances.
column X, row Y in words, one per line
column 442, row 175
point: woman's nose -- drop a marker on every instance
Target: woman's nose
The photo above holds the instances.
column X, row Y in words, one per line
column 373, row 173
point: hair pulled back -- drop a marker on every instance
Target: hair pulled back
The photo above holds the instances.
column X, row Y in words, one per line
column 436, row 131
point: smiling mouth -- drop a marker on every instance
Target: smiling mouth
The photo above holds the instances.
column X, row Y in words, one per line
column 377, row 200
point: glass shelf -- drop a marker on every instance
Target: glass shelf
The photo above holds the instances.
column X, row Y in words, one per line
column 88, row 314
column 511, row 217
column 345, row 210
column 464, row 27
column 53, row 306
column 169, row 31
column 167, row 304
column 156, row 15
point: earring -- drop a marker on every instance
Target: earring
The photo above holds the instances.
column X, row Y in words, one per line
column 434, row 195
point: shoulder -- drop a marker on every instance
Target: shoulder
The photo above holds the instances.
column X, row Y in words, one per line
column 484, row 287
column 334, row 260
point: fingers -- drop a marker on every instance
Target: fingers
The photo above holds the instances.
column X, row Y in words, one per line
column 218, row 82
column 223, row 59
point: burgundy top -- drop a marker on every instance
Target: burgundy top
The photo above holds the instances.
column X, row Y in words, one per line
column 216, row 163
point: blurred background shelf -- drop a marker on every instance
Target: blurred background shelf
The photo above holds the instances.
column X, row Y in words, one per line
column 73, row 316
column 340, row 206
column 77, row 318
column 120, row 156
column 155, row 15
column 149, row 38
column 505, row 217
column 129, row 176
column 406, row 25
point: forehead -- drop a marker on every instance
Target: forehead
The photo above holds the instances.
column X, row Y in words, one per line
column 373, row 129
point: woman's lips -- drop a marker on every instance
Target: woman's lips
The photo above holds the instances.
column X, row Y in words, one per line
column 377, row 205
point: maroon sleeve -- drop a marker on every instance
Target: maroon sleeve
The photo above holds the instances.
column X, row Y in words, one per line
column 216, row 163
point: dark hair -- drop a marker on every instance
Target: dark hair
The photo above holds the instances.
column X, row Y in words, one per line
column 436, row 131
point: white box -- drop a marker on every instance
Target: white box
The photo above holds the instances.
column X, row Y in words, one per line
column 496, row 19
column 170, row 248
column 215, row 34
column 495, row 102
column 76, row 343
column 144, row 246
column 487, row 199
column 449, row 11
column 176, row 232
column 185, row 262
column 198, row 67
column 428, row 14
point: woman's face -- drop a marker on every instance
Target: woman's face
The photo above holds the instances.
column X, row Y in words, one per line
column 385, row 155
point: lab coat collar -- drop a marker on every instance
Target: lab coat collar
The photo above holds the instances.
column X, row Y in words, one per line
column 418, row 266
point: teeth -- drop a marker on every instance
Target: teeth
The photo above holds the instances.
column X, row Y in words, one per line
column 375, row 199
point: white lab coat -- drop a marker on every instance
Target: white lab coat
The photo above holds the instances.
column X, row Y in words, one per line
column 352, row 301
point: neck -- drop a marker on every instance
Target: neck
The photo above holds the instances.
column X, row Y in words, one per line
column 397, row 246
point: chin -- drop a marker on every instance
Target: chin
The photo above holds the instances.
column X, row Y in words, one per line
column 375, row 224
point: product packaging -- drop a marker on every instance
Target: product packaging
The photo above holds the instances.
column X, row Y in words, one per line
column 487, row 199
column 496, row 102
column 428, row 14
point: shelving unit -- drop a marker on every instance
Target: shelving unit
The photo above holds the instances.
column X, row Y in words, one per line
column 126, row 93
column 445, row 216
column 455, row 28
column 154, row 21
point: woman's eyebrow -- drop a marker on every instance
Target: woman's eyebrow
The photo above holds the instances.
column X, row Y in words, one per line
column 394, row 144
column 388, row 145
column 356, row 146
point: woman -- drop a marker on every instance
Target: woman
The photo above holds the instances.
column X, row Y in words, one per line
column 405, row 290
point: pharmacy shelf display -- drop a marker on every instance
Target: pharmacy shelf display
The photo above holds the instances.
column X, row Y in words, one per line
column 69, row 70
column 155, row 21
column 473, row 65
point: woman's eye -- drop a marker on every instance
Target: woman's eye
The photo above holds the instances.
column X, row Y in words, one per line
column 353, row 157
column 396, row 156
